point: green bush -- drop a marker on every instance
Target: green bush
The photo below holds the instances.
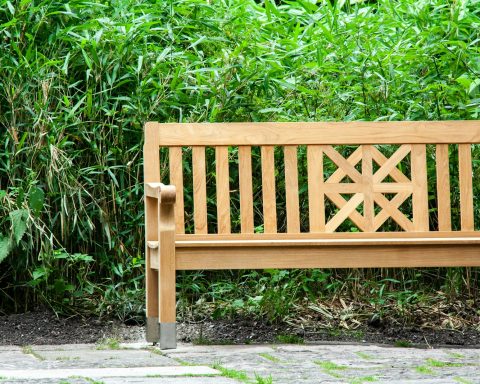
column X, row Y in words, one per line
column 78, row 79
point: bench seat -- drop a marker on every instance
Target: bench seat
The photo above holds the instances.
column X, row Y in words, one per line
column 306, row 250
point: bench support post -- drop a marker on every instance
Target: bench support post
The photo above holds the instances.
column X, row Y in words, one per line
column 161, row 316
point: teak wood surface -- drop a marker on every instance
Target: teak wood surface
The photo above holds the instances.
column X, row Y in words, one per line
column 367, row 187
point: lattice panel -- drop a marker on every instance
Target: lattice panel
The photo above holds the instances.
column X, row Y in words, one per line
column 368, row 188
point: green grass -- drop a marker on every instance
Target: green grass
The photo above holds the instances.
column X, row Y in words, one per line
column 330, row 366
column 363, row 379
column 242, row 376
column 461, row 380
column 270, row 357
column 232, row 373
column 456, row 355
column 424, row 370
column 364, row 355
column 289, row 339
column 442, row 364
column 28, row 350
column 402, row 344
column 108, row 343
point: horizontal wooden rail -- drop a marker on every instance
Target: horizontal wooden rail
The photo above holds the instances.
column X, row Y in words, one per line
column 381, row 132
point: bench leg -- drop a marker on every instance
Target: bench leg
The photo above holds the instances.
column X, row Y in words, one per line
column 161, row 300
column 168, row 335
column 166, row 279
column 152, row 330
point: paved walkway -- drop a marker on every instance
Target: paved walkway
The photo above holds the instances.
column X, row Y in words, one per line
column 114, row 363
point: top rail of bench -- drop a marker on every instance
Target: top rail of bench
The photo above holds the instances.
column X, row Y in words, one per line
column 304, row 133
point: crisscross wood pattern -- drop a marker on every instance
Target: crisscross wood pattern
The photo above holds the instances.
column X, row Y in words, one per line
column 358, row 188
column 369, row 188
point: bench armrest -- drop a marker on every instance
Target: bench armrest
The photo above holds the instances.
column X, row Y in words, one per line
column 166, row 194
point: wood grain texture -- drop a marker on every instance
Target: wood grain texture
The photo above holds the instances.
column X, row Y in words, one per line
column 466, row 191
column 246, row 190
column 151, row 276
column 443, row 188
column 151, row 172
column 176, row 179
column 223, row 190
column 365, row 256
column 167, row 263
column 199, row 190
column 390, row 208
column 420, row 192
column 291, row 189
column 384, row 214
column 316, row 197
column 352, row 214
column 342, row 163
column 268, row 189
column 381, row 132
column 390, row 164
column 346, row 210
column 368, row 197
column 395, row 173
column 396, row 237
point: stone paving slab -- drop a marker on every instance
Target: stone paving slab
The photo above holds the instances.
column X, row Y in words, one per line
column 274, row 364
column 130, row 380
column 90, row 357
column 287, row 364
column 107, row 372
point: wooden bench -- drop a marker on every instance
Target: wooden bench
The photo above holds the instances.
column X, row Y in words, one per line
column 377, row 185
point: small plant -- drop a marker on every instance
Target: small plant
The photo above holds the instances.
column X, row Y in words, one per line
column 461, row 380
column 263, row 380
column 330, row 366
column 289, row 339
column 402, row 344
column 364, row 355
column 109, row 343
column 456, row 355
column 425, row 370
column 28, row 350
column 441, row 364
column 364, row 379
column 231, row 373
column 270, row 357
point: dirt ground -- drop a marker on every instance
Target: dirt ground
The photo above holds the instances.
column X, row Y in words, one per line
column 44, row 327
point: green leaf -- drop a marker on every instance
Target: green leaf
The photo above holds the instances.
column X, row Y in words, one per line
column 38, row 273
column 18, row 219
column 5, row 246
column 36, row 199
column 10, row 7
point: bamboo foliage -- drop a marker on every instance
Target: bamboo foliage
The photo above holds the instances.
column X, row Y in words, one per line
column 78, row 80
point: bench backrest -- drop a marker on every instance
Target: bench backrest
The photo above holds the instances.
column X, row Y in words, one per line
column 367, row 173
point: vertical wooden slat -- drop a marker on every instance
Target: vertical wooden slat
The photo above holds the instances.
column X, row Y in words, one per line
column 465, row 180
column 268, row 189
column 316, row 198
column 368, row 198
column 151, row 172
column 291, row 188
column 443, row 188
column 176, row 178
column 246, row 192
column 420, row 191
column 199, row 190
column 223, row 189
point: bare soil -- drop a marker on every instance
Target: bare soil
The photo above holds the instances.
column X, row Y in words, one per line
column 44, row 327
